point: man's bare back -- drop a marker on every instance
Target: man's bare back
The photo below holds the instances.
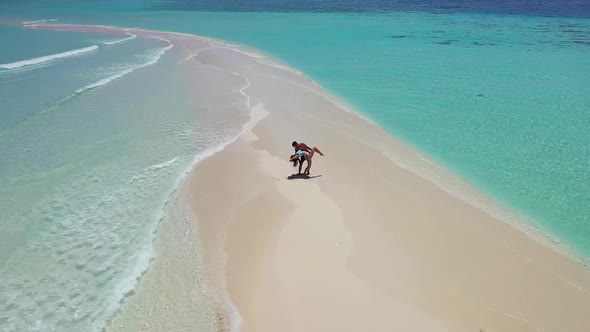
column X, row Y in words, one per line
column 302, row 147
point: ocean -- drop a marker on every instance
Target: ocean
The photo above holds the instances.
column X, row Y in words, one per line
column 96, row 131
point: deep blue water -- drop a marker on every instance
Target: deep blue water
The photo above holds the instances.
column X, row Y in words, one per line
column 569, row 8
column 552, row 8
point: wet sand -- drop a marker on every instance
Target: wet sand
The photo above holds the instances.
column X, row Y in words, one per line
column 378, row 238
column 365, row 244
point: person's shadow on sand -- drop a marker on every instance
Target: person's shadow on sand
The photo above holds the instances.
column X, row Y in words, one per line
column 301, row 176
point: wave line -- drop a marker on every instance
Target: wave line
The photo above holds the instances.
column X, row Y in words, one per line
column 46, row 58
column 99, row 83
column 111, row 78
column 131, row 36
column 39, row 21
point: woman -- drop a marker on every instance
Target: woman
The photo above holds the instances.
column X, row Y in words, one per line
column 307, row 156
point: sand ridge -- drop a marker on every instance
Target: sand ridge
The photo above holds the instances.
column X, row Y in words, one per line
column 368, row 245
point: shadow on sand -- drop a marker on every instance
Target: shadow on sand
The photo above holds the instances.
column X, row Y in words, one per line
column 301, row 176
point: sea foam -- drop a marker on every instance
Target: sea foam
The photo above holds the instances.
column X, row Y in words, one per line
column 39, row 21
column 153, row 60
column 131, row 36
column 46, row 58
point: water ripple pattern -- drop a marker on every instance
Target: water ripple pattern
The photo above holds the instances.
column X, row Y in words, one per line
column 83, row 188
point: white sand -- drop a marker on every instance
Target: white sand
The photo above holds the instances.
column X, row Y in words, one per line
column 367, row 246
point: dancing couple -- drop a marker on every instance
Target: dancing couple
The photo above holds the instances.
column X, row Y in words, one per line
column 303, row 153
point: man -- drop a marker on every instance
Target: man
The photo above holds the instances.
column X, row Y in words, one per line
column 302, row 156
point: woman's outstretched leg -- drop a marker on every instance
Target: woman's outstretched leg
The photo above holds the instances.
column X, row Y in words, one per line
column 314, row 150
column 309, row 157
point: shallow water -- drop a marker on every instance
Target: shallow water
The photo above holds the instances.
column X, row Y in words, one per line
column 93, row 144
column 502, row 100
column 88, row 166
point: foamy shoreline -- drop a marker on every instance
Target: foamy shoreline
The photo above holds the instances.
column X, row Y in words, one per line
column 275, row 278
column 359, row 208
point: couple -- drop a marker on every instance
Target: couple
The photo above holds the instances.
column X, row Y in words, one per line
column 303, row 153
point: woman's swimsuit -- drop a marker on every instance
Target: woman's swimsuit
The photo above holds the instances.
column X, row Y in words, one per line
column 301, row 155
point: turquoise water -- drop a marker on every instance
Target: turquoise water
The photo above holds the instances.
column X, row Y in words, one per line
column 90, row 157
column 502, row 100
column 92, row 151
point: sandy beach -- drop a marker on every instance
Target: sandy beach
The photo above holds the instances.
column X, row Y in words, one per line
column 364, row 244
column 378, row 238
